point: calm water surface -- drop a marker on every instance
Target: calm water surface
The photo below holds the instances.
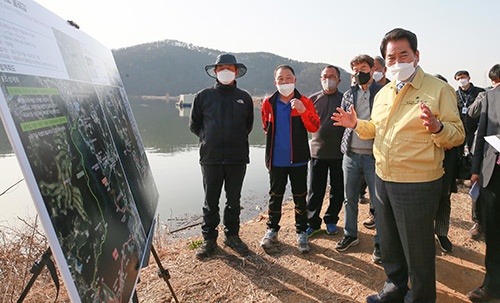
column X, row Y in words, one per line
column 173, row 155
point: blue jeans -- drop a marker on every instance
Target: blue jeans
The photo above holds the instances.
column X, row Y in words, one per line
column 355, row 167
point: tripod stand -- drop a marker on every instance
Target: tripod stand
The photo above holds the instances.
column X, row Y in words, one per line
column 36, row 269
column 162, row 273
column 45, row 260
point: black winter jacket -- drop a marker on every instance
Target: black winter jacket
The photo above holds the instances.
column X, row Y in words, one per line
column 468, row 96
column 222, row 117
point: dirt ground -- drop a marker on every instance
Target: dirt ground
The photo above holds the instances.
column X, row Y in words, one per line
column 323, row 275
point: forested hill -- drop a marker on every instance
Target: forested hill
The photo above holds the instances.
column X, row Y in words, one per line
column 171, row 68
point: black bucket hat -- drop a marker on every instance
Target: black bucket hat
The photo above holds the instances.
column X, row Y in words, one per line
column 226, row 59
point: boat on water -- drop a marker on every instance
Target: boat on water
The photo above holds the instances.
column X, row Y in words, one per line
column 183, row 104
column 185, row 100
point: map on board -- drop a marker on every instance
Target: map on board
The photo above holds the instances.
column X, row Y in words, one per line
column 69, row 121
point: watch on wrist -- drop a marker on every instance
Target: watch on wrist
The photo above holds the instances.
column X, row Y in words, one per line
column 440, row 128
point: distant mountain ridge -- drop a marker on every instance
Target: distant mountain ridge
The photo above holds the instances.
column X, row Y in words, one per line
column 173, row 67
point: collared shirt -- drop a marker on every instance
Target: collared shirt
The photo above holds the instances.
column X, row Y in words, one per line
column 362, row 108
column 404, row 150
column 401, row 84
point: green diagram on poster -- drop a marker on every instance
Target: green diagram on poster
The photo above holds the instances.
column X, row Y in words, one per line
column 69, row 121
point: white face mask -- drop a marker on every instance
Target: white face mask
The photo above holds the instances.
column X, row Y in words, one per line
column 226, row 76
column 285, row 89
column 328, row 85
column 401, row 71
column 377, row 76
column 463, row 82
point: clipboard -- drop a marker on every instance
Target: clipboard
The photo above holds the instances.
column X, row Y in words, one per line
column 474, row 191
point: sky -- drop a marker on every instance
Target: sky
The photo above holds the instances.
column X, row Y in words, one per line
column 452, row 35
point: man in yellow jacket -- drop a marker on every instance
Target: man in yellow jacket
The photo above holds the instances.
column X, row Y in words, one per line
column 414, row 118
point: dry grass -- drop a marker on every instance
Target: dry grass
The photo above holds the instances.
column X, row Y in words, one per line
column 20, row 247
column 323, row 275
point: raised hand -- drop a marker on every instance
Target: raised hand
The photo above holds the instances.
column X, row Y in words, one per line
column 346, row 119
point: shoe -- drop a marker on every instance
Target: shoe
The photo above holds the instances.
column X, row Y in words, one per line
column 376, row 255
column 363, row 200
column 206, row 249
column 475, row 231
column 444, row 243
column 481, row 294
column 303, row 242
column 236, row 244
column 384, row 298
column 311, row 232
column 370, row 221
column 332, row 229
column 373, row 299
column 270, row 239
column 346, row 242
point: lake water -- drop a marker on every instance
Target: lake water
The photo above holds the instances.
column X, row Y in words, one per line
column 173, row 156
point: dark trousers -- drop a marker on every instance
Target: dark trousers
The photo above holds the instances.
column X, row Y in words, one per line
column 278, row 177
column 489, row 199
column 214, row 176
column 405, row 224
column 450, row 165
column 317, row 187
column 475, row 208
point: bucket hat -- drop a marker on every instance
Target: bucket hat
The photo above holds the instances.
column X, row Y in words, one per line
column 226, row 59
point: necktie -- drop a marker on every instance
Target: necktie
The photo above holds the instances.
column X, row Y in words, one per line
column 400, row 85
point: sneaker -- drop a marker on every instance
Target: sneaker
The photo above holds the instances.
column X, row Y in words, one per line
column 270, row 239
column 303, row 242
column 346, row 242
column 370, row 221
column 475, row 231
column 311, row 232
column 236, row 244
column 444, row 243
column 376, row 255
column 332, row 229
column 481, row 294
column 206, row 249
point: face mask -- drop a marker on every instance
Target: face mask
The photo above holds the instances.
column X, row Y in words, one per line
column 463, row 82
column 377, row 76
column 401, row 71
column 286, row 89
column 226, row 76
column 328, row 85
column 362, row 78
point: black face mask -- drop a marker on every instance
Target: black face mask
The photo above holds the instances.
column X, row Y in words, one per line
column 362, row 78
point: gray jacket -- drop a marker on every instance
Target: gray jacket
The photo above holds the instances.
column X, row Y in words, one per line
column 474, row 110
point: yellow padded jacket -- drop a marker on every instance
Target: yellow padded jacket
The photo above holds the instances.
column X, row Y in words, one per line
column 405, row 151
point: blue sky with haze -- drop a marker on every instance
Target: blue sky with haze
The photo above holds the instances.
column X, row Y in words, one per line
column 452, row 35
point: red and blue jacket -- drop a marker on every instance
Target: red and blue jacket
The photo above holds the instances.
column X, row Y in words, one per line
column 300, row 124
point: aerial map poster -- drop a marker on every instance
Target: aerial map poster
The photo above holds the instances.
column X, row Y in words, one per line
column 68, row 118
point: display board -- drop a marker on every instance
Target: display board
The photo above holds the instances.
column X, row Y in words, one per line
column 68, row 118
